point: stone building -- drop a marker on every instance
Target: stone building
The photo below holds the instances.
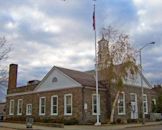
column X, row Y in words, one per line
column 129, row 105
column 2, row 111
column 62, row 93
column 70, row 94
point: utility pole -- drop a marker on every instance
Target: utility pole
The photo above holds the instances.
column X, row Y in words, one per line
column 142, row 89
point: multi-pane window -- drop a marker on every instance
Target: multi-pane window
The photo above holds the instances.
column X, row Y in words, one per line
column 94, row 104
column 154, row 101
column 121, row 104
column 11, row 108
column 68, row 104
column 19, row 107
column 29, row 109
column 42, row 106
column 145, row 104
column 54, row 105
column 133, row 98
column 153, row 105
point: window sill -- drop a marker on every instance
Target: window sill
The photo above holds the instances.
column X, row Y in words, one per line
column 19, row 114
column 41, row 114
column 94, row 114
column 28, row 114
column 11, row 114
column 54, row 114
column 68, row 114
column 121, row 114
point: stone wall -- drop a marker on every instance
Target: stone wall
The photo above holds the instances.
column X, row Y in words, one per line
column 80, row 96
column 88, row 116
column 34, row 100
column 132, row 89
column 2, row 111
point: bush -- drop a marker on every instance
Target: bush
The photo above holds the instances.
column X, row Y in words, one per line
column 49, row 120
column 16, row 119
column 118, row 121
column 132, row 120
column 147, row 116
column 46, row 120
column 72, row 121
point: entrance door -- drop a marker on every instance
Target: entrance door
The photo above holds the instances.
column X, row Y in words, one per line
column 134, row 107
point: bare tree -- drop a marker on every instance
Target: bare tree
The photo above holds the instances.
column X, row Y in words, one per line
column 118, row 61
column 4, row 51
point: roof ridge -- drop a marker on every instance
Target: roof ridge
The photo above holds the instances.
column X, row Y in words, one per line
column 82, row 77
column 84, row 72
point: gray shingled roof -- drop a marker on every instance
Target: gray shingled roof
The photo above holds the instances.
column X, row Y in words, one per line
column 81, row 77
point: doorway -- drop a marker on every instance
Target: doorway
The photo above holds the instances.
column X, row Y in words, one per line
column 134, row 107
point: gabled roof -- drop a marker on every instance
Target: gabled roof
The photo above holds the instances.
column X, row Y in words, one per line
column 141, row 74
column 144, row 78
column 117, row 69
column 81, row 77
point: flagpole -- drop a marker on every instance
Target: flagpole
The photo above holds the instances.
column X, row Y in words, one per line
column 96, row 67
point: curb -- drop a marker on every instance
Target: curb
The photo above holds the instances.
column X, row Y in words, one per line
column 18, row 128
column 144, row 125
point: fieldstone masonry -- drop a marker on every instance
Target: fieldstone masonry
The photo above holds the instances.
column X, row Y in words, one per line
column 81, row 100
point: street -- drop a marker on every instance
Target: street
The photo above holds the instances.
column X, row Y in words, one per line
column 137, row 128
column 146, row 128
column 6, row 128
column 14, row 126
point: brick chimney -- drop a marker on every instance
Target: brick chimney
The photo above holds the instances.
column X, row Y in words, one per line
column 12, row 82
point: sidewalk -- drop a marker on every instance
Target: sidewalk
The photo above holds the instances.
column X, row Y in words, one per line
column 77, row 127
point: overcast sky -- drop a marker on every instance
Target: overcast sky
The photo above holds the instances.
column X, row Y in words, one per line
column 44, row 33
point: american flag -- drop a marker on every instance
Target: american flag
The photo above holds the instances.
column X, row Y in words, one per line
column 94, row 21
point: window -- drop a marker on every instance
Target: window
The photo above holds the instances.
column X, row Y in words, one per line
column 42, row 106
column 54, row 105
column 29, row 109
column 54, row 79
column 145, row 104
column 68, row 104
column 11, row 108
column 133, row 97
column 154, row 106
column 19, row 107
column 154, row 101
column 121, row 104
column 94, row 104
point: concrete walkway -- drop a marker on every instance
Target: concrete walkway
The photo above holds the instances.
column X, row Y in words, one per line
column 77, row 127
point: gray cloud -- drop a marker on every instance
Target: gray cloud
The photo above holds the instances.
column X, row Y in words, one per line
column 50, row 33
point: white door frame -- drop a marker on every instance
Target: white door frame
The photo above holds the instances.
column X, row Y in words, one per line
column 134, row 107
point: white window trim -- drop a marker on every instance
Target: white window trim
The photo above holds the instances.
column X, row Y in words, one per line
column 93, row 95
column 124, row 109
column 28, row 110
column 10, row 113
column 42, row 114
column 135, row 94
column 65, row 111
column 154, row 101
column 136, row 101
column 146, row 104
column 18, row 112
column 55, row 114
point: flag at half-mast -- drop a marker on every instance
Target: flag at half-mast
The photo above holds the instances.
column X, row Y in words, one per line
column 94, row 19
